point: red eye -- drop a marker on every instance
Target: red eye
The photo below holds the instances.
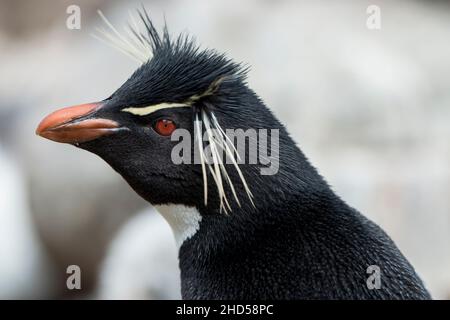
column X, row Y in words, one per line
column 165, row 127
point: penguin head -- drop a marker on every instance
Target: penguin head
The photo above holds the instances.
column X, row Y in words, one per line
column 180, row 93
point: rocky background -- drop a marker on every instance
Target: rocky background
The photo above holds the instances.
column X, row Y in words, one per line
column 371, row 109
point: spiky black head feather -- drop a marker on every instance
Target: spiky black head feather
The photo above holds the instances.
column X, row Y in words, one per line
column 175, row 69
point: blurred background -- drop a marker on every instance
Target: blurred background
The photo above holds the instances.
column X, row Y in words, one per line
column 370, row 108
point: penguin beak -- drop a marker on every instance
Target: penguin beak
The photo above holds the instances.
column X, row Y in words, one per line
column 76, row 124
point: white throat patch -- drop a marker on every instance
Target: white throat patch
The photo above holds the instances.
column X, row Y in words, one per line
column 184, row 221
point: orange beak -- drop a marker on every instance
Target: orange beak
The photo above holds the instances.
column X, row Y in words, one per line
column 73, row 125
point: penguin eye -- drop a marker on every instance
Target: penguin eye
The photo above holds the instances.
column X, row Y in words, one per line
column 164, row 127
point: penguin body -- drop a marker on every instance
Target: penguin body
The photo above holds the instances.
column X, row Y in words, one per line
column 241, row 233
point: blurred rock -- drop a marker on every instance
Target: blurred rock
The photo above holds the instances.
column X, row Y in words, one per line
column 142, row 261
column 25, row 269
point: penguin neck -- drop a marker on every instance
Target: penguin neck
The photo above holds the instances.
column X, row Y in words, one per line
column 228, row 250
column 291, row 194
column 216, row 248
column 246, row 224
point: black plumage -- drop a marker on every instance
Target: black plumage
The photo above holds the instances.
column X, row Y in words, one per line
column 298, row 241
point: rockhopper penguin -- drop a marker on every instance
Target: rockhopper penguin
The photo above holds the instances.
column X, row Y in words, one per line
column 241, row 234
